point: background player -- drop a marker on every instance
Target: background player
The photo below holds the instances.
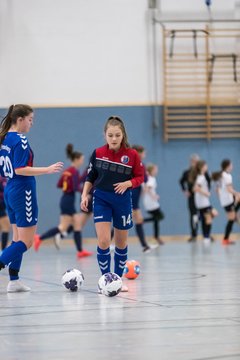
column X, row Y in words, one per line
column 151, row 202
column 187, row 187
column 20, row 193
column 202, row 198
column 136, row 211
column 114, row 169
column 228, row 196
column 83, row 216
column 69, row 182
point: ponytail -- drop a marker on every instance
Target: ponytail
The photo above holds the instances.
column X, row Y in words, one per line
column 6, row 124
column 216, row 176
column 71, row 154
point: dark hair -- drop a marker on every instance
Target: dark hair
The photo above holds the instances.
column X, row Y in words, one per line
column 196, row 171
column 225, row 164
column 14, row 112
column 116, row 121
column 72, row 155
column 218, row 174
column 139, row 148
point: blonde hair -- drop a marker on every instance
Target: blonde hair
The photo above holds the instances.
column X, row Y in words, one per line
column 150, row 167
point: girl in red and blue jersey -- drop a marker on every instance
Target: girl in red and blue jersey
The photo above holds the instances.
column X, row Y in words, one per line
column 4, row 220
column 16, row 164
column 114, row 169
column 69, row 183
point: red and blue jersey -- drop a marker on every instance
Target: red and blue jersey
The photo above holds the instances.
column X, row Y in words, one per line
column 108, row 167
column 69, row 181
column 15, row 153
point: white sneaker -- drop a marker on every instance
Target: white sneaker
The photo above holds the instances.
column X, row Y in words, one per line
column 207, row 241
column 154, row 246
column 17, row 286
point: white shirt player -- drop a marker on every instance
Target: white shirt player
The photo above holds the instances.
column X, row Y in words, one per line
column 201, row 201
column 150, row 196
column 226, row 198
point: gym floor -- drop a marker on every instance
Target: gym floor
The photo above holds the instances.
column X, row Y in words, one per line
column 185, row 305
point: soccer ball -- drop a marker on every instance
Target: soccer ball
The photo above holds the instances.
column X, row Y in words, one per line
column 110, row 284
column 131, row 269
column 72, row 279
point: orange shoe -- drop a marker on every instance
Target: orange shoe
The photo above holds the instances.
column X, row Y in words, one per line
column 228, row 242
column 36, row 242
column 84, row 253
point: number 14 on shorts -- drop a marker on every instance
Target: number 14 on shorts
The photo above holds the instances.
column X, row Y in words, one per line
column 127, row 220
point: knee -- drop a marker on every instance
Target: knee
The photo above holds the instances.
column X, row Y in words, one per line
column 62, row 228
column 232, row 216
column 104, row 243
column 121, row 244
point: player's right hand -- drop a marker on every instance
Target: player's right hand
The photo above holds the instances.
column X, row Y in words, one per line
column 84, row 203
column 55, row 168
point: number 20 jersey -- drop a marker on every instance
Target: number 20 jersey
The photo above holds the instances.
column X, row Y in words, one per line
column 15, row 153
column 20, row 192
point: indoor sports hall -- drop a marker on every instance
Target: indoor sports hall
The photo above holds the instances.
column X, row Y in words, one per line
column 170, row 71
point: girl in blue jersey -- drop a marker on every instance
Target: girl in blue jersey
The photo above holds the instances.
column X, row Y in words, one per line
column 114, row 170
column 69, row 183
column 16, row 164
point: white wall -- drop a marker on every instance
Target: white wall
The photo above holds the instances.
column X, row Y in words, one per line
column 78, row 51
column 196, row 5
column 74, row 51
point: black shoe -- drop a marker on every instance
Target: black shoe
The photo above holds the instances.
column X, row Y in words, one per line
column 212, row 239
column 146, row 249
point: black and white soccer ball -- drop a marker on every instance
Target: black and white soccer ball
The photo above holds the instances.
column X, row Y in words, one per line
column 73, row 279
column 110, row 284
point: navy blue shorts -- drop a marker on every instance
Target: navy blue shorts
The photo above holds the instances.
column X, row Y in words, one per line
column 230, row 208
column 136, row 193
column 21, row 203
column 206, row 210
column 111, row 207
column 67, row 204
